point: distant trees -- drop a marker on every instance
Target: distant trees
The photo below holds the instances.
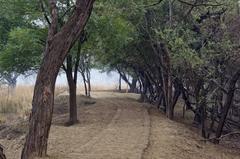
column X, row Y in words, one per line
column 85, row 71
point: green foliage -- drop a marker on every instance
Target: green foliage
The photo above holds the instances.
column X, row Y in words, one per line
column 122, row 34
column 22, row 52
column 109, row 33
column 180, row 42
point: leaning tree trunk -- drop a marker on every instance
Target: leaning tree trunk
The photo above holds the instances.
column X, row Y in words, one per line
column 57, row 48
column 227, row 105
column 85, row 83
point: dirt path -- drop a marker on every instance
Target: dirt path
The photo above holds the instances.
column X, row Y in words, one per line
column 124, row 136
column 118, row 127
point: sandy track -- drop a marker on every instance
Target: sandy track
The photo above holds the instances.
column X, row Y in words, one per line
column 124, row 136
column 118, row 127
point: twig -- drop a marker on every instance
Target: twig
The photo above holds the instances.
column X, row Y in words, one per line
column 199, row 4
column 154, row 4
column 223, row 136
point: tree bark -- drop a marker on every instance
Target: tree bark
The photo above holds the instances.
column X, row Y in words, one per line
column 167, row 81
column 177, row 92
column 203, row 111
column 227, row 105
column 2, row 155
column 73, row 118
column 89, row 88
column 133, row 85
column 72, row 75
column 84, row 83
column 120, row 83
column 57, row 48
column 72, row 84
column 88, row 82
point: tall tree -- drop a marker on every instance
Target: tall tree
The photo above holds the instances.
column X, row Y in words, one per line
column 70, row 67
column 59, row 42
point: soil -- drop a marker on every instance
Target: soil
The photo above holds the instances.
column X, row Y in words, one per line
column 117, row 126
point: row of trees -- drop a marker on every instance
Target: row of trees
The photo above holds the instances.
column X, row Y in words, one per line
column 168, row 48
column 187, row 49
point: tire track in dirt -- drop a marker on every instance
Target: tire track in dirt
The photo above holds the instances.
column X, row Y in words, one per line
column 125, row 137
column 148, row 142
column 100, row 133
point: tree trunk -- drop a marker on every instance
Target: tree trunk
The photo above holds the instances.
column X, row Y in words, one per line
column 85, row 83
column 73, row 119
column 203, row 112
column 120, row 84
column 124, row 77
column 42, row 109
column 186, row 99
column 227, row 105
column 57, row 48
column 167, row 81
column 2, row 155
column 133, row 85
column 144, row 91
column 176, row 96
column 72, row 85
column 140, row 86
column 88, row 82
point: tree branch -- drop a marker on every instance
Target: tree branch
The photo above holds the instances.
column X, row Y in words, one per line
column 44, row 12
column 154, row 4
column 54, row 18
column 199, row 4
column 64, row 68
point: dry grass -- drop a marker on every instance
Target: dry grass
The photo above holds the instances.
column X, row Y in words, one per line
column 17, row 101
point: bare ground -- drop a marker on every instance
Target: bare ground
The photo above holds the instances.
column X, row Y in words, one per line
column 116, row 126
